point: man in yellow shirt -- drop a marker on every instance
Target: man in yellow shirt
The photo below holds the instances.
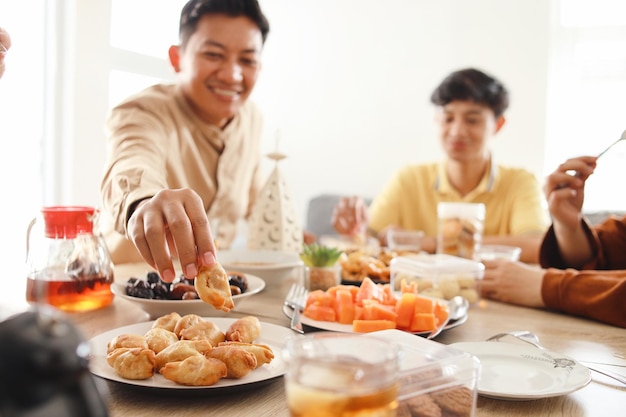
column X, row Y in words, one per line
column 470, row 108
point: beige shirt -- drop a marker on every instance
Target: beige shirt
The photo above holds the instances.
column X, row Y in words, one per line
column 155, row 141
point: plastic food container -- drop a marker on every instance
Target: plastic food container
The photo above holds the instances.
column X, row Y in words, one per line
column 439, row 275
column 434, row 380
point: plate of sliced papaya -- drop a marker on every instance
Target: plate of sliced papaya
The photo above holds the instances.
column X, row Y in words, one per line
column 372, row 307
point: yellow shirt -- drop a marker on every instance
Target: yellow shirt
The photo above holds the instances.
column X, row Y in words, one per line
column 512, row 199
column 155, row 141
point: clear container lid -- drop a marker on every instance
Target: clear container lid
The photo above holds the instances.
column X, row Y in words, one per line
column 432, row 266
column 427, row 366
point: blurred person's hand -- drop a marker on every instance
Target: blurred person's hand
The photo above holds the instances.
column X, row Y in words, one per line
column 565, row 190
column 5, row 40
column 513, row 282
column 172, row 224
column 350, row 216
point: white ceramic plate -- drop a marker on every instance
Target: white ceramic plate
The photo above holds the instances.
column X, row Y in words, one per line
column 516, row 372
column 157, row 308
column 271, row 335
column 347, row 328
column 268, row 264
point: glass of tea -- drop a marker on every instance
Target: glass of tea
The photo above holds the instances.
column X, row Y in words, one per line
column 67, row 261
column 341, row 375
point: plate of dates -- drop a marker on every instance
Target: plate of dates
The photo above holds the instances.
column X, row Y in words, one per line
column 158, row 298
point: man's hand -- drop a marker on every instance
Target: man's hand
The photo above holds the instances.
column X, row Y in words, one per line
column 350, row 216
column 171, row 224
column 513, row 283
column 5, row 41
column 565, row 190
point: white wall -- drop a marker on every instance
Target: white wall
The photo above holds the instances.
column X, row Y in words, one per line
column 348, row 82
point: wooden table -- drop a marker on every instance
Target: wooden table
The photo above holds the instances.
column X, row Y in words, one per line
column 575, row 337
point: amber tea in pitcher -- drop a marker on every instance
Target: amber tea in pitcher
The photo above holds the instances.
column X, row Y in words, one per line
column 68, row 265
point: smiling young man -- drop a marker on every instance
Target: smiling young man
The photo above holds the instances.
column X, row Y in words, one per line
column 181, row 153
column 470, row 106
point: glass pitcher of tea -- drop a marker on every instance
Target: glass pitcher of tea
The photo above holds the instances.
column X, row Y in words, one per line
column 68, row 264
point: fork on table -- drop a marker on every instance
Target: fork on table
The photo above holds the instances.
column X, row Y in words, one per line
column 296, row 298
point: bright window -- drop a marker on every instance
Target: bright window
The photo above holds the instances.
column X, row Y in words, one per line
column 22, row 125
column 141, row 33
column 586, row 90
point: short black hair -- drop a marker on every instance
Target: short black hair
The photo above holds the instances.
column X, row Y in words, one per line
column 472, row 84
column 194, row 10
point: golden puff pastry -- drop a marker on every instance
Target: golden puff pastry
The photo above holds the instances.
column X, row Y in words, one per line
column 186, row 321
column 159, row 338
column 239, row 362
column 195, row 370
column 204, row 330
column 262, row 353
column 132, row 363
column 213, row 287
column 167, row 322
column 245, row 330
column 126, row 341
column 182, row 350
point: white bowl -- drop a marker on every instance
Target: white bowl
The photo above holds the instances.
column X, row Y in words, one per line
column 272, row 266
column 492, row 252
column 158, row 308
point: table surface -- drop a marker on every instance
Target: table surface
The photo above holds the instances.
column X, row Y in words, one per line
column 581, row 339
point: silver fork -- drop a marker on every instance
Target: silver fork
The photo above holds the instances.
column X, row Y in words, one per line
column 623, row 137
column 533, row 339
column 296, row 298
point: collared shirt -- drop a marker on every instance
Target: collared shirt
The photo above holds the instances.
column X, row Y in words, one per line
column 155, row 141
column 512, row 198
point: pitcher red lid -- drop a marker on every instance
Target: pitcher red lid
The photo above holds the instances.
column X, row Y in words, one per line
column 68, row 221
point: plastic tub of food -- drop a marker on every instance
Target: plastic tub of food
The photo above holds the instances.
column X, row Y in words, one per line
column 440, row 275
column 434, row 379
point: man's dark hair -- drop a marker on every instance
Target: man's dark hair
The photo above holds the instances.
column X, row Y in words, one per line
column 472, row 84
column 194, row 10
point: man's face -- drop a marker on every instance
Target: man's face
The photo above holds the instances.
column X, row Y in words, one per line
column 464, row 129
column 219, row 66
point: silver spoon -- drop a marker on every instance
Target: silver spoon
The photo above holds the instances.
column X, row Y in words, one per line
column 457, row 308
column 623, row 137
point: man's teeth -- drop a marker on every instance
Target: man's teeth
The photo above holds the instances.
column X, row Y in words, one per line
column 225, row 92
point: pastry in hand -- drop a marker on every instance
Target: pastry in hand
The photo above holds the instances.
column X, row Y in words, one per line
column 245, row 330
column 195, row 370
column 213, row 287
column 262, row 353
column 239, row 362
column 132, row 363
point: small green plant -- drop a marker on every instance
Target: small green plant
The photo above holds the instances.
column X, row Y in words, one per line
column 315, row 255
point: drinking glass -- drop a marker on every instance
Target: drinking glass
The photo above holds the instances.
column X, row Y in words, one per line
column 341, row 375
column 460, row 228
column 404, row 240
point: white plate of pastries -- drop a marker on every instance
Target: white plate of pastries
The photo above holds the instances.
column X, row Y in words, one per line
column 163, row 353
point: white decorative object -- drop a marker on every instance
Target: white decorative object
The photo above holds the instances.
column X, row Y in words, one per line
column 273, row 223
